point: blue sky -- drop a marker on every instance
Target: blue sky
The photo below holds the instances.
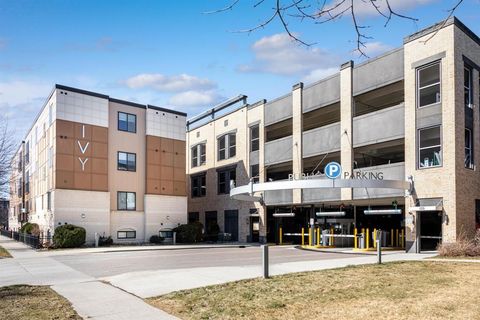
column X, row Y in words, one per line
column 168, row 53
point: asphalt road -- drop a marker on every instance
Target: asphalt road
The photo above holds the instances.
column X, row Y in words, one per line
column 114, row 263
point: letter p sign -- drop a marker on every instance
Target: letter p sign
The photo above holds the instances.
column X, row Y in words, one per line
column 333, row 170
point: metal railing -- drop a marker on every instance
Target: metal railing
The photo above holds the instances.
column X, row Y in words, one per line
column 30, row 240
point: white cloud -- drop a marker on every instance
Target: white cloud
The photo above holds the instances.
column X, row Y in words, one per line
column 319, row 74
column 279, row 54
column 195, row 98
column 372, row 49
column 174, row 83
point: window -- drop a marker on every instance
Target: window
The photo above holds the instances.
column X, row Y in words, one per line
column 27, row 152
column 467, row 87
column 126, row 200
column 50, row 157
column 429, row 147
column 224, row 178
column 428, row 83
column 127, row 161
column 127, row 234
column 254, row 173
column 49, row 200
column 198, row 155
column 193, row 217
column 50, row 114
column 127, row 122
column 254, row 138
column 227, row 146
column 199, row 188
column 468, row 149
column 27, row 182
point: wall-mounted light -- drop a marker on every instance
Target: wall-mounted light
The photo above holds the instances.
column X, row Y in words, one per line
column 330, row 214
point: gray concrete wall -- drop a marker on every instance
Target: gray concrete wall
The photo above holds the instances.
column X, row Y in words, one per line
column 278, row 197
column 378, row 72
column 278, row 151
column 278, row 109
column 384, row 125
column 254, row 157
column 429, row 116
column 315, row 195
column 395, row 171
column 322, row 93
column 321, row 140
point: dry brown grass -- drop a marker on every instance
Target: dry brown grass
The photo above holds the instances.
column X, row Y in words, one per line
column 405, row 290
column 463, row 247
column 34, row 303
column 4, row 253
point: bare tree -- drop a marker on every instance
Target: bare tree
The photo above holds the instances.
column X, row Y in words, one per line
column 323, row 11
column 7, row 151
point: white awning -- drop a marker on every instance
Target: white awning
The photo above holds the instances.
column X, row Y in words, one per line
column 426, row 208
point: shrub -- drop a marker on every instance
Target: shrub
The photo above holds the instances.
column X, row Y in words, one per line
column 463, row 247
column 189, row 233
column 105, row 241
column 69, row 236
column 30, row 228
column 156, row 239
column 212, row 232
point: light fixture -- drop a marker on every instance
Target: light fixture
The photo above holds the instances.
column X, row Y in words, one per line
column 330, row 214
column 284, row 214
column 382, row 211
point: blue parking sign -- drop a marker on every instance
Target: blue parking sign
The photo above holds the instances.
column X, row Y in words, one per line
column 333, row 170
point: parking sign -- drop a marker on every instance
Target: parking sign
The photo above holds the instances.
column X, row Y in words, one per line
column 333, row 170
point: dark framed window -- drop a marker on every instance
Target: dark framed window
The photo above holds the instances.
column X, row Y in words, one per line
column 198, row 155
column 193, row 217
column 467, row 87
column 126, row 161
column 126, row 234
column 254, row 138
column 224, row 178
column 127, row 122
column 429, row 147
column 468, row 149
column 428, row 85
column 126, row 201
column 27, row 182
column 227, row 146
column 49, row 200
column 199, row 187
column 254, row 173
column 27, row 152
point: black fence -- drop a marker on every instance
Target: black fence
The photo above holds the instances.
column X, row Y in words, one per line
column 33, row 241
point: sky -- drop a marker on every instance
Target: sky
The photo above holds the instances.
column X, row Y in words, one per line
column 174, row 54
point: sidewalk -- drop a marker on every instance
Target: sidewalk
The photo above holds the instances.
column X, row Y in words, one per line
column 91, row 298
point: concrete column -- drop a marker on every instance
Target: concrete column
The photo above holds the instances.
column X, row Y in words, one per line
column 297, row 129
column 346, row 122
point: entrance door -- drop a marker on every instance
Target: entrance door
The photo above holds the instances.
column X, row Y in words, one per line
column 254, row 229
column 231, row 223
column 210, row 221
column 430, row 229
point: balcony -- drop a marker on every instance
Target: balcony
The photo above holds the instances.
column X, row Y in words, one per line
column 278, row 151
column 383, row 125
column 395, row 171
column 322, row 93
column 321, row 140
column 278, row 110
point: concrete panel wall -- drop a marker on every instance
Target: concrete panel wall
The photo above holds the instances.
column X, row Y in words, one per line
column 165, row 124
column 321, row 140
column 384, row 125
column 163, row 212
column 322, row 93
column 254, row 157
column 278, row 151
column 278, row 197
column 83, row 108
column 395, row 171
column 378, row 72
column 314, row 195
column 127, row 221
column 278, row 110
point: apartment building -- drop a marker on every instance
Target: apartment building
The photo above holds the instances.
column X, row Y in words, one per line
column 114, row 167
column 409, row 117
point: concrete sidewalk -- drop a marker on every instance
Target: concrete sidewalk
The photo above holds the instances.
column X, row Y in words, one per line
column 148, row 284
column 91, row 298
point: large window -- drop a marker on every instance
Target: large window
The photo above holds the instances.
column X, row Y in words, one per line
column 199, row 188
column 468, row 149
column 198, row 155
column 428, row 84
column 126, row 200
column 227, row 146
column 467, row 87
column 126, row 234
column 254, row 138
column 224, row 178
column 127, row 122
column 254, row 173
column 193, row 217
column 127, row 161
column 429, row 147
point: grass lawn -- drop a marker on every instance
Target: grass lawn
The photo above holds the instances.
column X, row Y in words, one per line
column 403, row 290
column 34, row 303
column 4, row 253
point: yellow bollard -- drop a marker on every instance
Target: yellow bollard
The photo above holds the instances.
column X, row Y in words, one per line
column 331, row 237
column 396, row 236
column 280, row 235
column 367, row 244
column 303, row 237
column 391, row 239
column 318, row 237
column 403, row 239
column 355, row 238
column 310, row 237
column 375, row 237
